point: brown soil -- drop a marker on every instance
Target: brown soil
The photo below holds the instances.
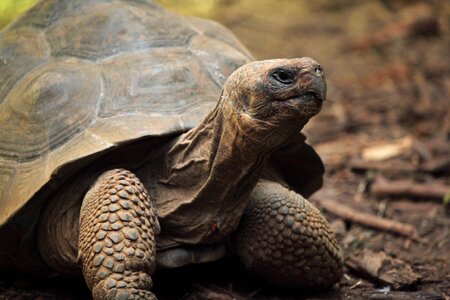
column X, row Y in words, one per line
column 388, row 71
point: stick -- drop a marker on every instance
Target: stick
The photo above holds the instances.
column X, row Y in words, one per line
column 436, row 165
column 432, row 166
column 392, row 166
column 400, row 295
column 365, row 219
column 408, row 188
column 424, row 26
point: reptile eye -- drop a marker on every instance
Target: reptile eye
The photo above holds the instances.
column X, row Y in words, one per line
column 283, row 77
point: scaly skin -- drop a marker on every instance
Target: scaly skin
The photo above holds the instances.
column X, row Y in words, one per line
column 117, row 238
column 286, row 240
column 201, row 184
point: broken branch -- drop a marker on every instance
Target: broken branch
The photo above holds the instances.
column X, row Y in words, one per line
column 425, row 26
column 401, row 295
column 391, row 166
column 432, row 166
column 408, row 188
column 366, row 219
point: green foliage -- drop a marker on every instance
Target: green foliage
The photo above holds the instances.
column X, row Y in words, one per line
column 200, row 8
column 11, row 9
column 447, row 199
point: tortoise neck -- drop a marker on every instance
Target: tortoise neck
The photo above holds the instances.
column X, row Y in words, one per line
column 209, row 173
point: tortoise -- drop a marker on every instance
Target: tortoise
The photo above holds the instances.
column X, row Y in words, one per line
column 133, row 138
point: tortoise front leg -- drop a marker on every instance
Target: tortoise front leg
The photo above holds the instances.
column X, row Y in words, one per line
column 116, row 242
column 285, row 239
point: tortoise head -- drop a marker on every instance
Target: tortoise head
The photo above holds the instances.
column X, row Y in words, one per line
column 282, row 93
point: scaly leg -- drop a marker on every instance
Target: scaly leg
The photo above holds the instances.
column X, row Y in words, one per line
column 285, row 239
column 116, row 242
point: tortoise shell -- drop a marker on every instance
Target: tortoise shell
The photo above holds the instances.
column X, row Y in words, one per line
column 87, row 83
column 83, row 77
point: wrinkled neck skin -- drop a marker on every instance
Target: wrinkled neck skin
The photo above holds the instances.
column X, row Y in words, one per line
column 209, row 172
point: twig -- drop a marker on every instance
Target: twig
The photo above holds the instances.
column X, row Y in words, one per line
column 391, row 166
column 408, row 188
column 436, row 165
column 366, row 219
column 432, row 166
column 425, row 26
column 400, row 295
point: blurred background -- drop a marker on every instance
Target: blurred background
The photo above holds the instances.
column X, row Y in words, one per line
column 383, row 135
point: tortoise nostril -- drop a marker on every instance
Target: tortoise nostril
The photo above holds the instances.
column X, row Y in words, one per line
column 318, row 70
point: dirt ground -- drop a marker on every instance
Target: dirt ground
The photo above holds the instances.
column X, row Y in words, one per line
column 384, row 135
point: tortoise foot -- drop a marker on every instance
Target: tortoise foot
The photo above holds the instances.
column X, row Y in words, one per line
column 285, row 239
column 117, row 237
column 124, row 288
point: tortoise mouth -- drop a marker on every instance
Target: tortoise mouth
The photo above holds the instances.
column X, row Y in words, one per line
column 309, row 102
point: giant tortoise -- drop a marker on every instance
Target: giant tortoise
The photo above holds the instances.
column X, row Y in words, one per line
column 132, row 138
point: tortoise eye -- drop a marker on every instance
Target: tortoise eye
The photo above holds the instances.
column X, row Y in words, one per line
column 283, row 77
